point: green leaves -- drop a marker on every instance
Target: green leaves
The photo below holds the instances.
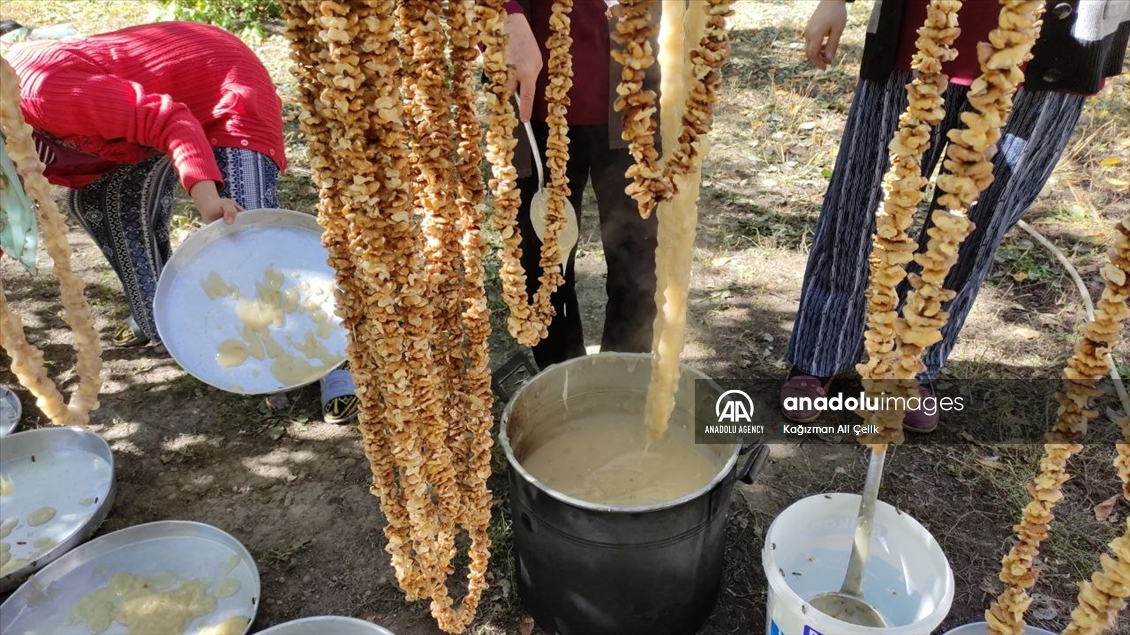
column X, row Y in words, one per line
column 242, row 17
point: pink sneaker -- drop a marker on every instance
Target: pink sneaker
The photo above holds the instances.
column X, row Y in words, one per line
column 799, row 386
column 921, row 420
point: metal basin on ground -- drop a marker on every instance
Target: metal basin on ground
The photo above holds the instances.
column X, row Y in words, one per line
column 58, row 488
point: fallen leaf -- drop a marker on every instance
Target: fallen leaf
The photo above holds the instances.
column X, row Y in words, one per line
column 808, row 125
column 993, row 462
column 964, row 434
column 276, row 432
column 1111, row 161
column 526, row 627
column 720, row 261
column 1020, row 276
column 1025, row 333
column 1118, row 182
column 1104, row 509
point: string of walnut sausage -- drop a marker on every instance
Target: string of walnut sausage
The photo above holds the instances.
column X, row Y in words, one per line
column 690, row 81
column 903, row 186
column 1103, row 596
column 403, row 239
column 529, row 320
column 27, row 361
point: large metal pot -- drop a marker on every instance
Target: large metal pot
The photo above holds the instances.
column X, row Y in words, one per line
column 589, row 569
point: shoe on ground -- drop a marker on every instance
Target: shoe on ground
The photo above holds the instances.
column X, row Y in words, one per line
column 339, row 398
column 921, row 420
column 129, row 335
column 800, row 387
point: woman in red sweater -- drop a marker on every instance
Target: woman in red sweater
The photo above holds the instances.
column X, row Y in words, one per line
column 120, row 117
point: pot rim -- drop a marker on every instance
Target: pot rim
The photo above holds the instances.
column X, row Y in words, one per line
column 504, row 438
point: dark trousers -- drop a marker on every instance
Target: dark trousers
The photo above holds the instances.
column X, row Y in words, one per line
column 827, row 338
column 629, row 251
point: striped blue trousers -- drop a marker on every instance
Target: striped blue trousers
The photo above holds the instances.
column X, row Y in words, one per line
column 827, row 337
column 127, row 214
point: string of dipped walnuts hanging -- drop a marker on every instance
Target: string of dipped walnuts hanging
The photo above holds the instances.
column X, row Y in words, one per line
column 691, row 80
column 27, row 361
column 400, row 207
column 529, row 320
column 895, row 344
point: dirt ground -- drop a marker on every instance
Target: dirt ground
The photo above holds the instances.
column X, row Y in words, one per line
column 294, row 489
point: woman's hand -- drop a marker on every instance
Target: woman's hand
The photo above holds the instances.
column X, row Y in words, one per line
column 525, row 57
column 211, row 207
column 822, row 35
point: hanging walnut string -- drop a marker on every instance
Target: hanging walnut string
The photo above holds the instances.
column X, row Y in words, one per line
column 528, row 322
column 387, row 180
column 892, row 366
column 690, row 83
column 903, row 187
column 27, row 361
column 1080, row 377
column 634, row 31
column 1103, row 597
column 471, row 449
column 656, row 180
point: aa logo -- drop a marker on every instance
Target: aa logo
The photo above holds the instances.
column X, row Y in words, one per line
column 734, row 406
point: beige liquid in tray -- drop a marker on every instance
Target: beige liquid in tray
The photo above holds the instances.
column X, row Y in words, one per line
column 267, row 310
column 600, row 459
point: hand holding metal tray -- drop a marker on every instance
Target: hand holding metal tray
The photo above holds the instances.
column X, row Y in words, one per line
column 220, row 276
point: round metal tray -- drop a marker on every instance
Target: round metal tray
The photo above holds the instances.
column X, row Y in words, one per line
column 10, row 411
column 187, row 550
column 323, row 624
column 65, row 469
column 192, row 325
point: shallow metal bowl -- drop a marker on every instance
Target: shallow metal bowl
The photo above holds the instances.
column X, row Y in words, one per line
column 45, row 604
column 65, row 469
column 192, row 325
column 324, row 624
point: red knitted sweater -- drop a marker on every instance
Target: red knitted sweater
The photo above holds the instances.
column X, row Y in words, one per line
column 177, row 88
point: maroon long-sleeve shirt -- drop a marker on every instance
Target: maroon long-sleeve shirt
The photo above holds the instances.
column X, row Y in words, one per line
column 591, row 50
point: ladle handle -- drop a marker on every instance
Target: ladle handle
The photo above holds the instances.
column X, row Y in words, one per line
column 861, row 546
column 537, row 155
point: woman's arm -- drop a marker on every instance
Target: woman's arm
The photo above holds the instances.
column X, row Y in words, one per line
column 822, row 35
column 525, row 57
column 97, row 105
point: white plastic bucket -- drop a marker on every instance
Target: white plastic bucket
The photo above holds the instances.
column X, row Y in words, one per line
column 907, row 578
column 982, row 628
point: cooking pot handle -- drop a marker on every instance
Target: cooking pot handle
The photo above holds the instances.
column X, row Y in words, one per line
column 746, row 472
column 499, row 377
column 754, row 463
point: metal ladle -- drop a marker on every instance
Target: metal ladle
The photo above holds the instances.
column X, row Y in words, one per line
column 847, row 604
column 570, row 233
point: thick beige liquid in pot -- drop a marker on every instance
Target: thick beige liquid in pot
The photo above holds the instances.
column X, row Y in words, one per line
column 602, row 459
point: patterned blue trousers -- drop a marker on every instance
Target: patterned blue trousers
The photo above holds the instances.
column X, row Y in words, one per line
column 827, row 338
column 127, row 214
